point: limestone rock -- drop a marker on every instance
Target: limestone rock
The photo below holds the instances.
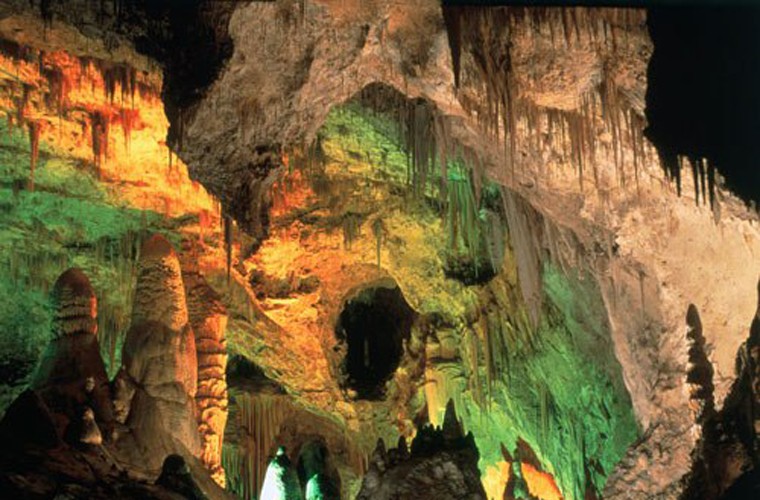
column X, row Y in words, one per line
column 727, row 458
column 452, row 428
column 74, row 303
column 90, row 433
column 158, row 382
column 71, row 373
column 699, row 377
column 28, row 422
column 208, row 318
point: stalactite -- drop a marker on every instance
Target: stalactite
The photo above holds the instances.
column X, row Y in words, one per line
column 128, row 118
column 22, row 103
column 34, row 128
column 260, row 418
column 452, row 16
column 227, row 221
column 100, row 123
column 123, row 75
column 59, row 87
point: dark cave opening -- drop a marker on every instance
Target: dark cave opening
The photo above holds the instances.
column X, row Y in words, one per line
column 373, row 326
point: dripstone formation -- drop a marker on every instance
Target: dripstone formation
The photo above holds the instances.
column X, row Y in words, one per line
column 71, row 378
column 208, row 317
column 74, row 433
column 442, row 465
column 157, row 384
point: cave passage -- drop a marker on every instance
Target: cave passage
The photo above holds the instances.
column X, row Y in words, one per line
column 373, row 325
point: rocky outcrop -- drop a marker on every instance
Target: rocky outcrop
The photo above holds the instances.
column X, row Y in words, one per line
column 71, row 377
column 442, row 464
column 208, row 317
column 175, row 476
column 156, row 387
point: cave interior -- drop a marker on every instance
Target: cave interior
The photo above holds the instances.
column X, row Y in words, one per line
column 379, row 250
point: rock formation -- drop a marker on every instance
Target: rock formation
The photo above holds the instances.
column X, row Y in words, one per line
column 156, row 387
column 62, row 436
column 208, row 317
column 442, row 465
column 71, row 377
column 699, row 376
column 175, row 476
column 546, row 105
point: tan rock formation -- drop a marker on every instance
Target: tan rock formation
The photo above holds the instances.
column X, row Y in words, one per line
column 208, row 317
column 71, row 373
column 157, row 384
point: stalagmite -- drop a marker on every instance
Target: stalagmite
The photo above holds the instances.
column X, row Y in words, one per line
column 452, row 428
column 71, row 374
column 699, row 376
column 208, row 317
column 158, row 380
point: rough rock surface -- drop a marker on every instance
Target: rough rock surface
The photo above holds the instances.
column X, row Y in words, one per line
column 156, row 386
column 208, row 317
column 71, row 377
column 727, row 459
column 442, row 465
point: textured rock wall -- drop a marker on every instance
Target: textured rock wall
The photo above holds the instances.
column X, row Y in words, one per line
column 208, row 317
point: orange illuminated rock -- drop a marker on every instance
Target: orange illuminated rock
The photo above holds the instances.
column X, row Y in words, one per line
column 208, row 317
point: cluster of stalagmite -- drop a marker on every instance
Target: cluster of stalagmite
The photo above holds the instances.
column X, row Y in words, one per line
column 441, row 464
column 167, row 400
column 208, row 317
